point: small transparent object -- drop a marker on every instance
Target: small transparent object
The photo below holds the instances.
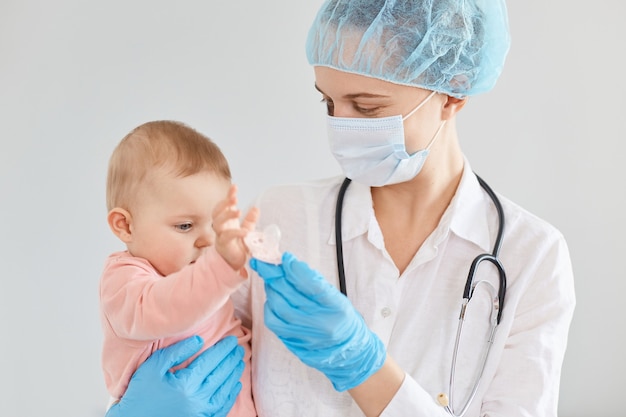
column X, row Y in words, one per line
column 263, row 245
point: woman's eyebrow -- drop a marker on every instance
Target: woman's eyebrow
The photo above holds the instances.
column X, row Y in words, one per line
column 357, row 95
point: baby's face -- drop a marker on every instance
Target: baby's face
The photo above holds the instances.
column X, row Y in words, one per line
column 171, row 222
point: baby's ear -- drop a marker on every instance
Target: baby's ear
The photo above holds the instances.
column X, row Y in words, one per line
column 119, row 222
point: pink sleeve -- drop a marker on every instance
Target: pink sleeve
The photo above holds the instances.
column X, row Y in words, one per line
column 140, row 304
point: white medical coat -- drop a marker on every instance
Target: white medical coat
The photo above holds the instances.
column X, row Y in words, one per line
column 416, row 313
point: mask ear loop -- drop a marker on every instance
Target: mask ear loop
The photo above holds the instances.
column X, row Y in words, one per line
column 419, row 106
column 427, row 148
column 443, row 123
column 436, row 135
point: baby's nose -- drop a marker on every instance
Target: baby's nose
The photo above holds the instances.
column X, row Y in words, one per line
column 206, row 238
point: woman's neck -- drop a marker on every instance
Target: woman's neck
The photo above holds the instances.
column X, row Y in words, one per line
column 409, row 212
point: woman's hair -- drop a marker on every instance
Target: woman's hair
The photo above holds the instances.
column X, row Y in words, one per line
column 165, row 146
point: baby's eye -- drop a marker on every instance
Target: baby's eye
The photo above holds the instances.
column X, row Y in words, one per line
column 184, row 227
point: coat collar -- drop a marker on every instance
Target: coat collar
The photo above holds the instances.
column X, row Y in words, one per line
column 467, row 216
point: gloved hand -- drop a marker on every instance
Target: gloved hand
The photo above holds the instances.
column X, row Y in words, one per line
column 318, row 323
column 207, row 387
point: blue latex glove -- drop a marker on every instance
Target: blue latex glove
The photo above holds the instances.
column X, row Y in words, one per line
column 206, row 388
column 318, row 323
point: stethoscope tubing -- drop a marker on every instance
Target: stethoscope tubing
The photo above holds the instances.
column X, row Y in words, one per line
column 467, row 292
column 338, row 240
column 493, row 257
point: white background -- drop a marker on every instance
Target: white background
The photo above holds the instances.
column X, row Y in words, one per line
column 76, row 76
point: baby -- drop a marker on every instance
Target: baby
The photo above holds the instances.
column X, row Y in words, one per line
column 171, row 201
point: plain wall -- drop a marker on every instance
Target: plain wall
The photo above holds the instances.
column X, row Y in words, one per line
column 76, row 76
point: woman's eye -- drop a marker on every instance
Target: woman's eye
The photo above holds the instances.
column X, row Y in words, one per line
column 330, row 106
column 366, row 111
column 183, row 227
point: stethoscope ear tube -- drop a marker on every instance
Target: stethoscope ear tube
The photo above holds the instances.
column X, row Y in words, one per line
column 496, row 202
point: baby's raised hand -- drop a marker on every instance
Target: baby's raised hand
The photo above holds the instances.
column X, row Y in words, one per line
column 230, row 232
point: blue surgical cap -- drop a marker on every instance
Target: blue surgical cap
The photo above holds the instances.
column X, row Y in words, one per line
column 456, row 47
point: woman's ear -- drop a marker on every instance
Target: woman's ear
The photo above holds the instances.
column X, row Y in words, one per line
column 119, row 222
column 452, row 106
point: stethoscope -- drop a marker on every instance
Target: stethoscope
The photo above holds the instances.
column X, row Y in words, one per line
column 497, row 296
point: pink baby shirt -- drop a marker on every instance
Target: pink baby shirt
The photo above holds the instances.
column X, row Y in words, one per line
column 142, row 311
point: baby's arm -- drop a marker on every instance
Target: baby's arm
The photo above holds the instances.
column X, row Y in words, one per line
column 139, row 304
column 229, row 232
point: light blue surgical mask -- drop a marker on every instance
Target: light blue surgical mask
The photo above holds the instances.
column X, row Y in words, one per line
column 372, row 151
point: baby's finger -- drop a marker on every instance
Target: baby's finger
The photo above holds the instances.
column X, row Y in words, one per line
column 249, row 222
column 223, row 205
column 231, row 197
column 232, row 191
column 232, row 234
column 229, row 200
column 226, row 219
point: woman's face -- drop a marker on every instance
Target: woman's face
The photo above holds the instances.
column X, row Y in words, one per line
column 353, row 95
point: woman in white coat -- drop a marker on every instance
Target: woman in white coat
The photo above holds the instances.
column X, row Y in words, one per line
column 394, row 75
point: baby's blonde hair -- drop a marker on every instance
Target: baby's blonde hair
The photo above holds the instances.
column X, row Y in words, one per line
column 159, row 145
